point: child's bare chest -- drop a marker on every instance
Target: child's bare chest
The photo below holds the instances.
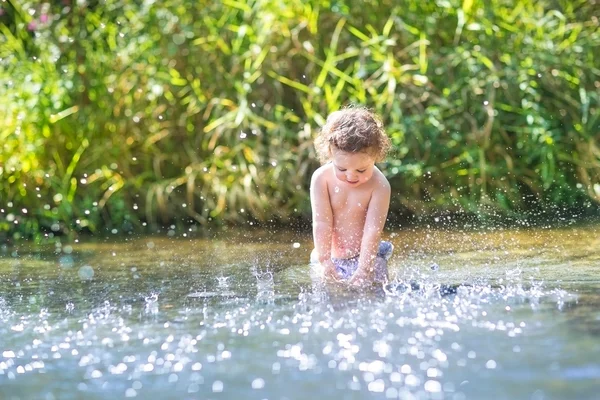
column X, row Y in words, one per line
column 349, row 202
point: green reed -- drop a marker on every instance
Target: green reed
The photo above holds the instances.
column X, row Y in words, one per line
column 119, row 115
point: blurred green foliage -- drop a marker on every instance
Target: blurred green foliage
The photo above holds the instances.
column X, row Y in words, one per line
column 119, row 114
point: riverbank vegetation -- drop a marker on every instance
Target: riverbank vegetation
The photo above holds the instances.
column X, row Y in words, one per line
column 121, row 115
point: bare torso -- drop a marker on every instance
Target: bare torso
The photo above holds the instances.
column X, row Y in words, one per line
column 349, row 208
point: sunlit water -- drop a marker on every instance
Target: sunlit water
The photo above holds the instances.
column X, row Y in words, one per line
column 489, row 314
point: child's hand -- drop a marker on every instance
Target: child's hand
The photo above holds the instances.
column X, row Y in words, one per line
column 362, row 279
column 330, row 273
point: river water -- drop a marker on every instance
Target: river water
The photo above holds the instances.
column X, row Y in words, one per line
column 469, row 314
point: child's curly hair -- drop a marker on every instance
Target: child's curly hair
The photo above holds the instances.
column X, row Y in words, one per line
column 353, row 130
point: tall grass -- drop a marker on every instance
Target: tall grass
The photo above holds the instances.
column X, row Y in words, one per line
column 118, row 115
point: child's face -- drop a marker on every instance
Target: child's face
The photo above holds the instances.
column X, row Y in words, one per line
column 352, row 168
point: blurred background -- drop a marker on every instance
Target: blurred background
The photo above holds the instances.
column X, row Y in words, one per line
column 129, row 116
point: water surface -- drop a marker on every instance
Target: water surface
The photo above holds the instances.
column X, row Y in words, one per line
column 473, row 314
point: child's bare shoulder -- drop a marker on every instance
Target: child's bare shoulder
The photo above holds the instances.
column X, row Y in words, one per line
column 322, row 174
column 380, row 181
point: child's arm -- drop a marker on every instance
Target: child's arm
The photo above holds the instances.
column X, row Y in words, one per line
column 374, row 223
column 322, row 221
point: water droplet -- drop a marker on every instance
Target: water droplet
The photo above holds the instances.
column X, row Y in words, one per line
column 433, row 386
column 66, row 261
column 8, row 354
column 258, row 383
column 222, row 281
column 86, row 272
column 217, row 386
column 337, row 189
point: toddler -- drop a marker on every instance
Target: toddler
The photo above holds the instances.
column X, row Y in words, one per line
column 350, row 199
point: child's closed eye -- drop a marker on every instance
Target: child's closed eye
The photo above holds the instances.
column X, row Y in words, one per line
column 361, row 170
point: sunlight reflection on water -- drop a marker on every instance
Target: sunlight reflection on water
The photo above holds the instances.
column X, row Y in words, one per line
column 218, row 319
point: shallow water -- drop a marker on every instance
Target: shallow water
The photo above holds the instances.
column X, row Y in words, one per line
column 502, row 314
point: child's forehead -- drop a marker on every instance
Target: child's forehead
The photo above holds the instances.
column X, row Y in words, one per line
column 340, row 156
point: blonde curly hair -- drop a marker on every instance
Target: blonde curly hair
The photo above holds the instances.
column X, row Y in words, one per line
column 353, row 130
